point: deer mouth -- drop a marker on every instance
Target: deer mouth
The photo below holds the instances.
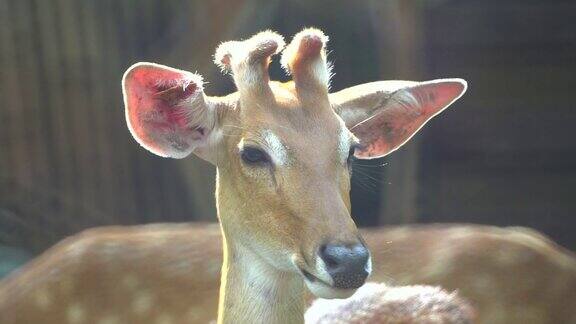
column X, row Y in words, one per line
column 318, row 282
column 323, row 289
column 310, row 277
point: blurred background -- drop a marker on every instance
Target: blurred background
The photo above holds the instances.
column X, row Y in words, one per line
column 505, row 154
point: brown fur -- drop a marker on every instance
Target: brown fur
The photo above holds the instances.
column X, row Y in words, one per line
column 511, row 275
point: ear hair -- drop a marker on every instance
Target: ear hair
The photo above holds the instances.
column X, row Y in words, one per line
column 166, row 110
column 193, row 106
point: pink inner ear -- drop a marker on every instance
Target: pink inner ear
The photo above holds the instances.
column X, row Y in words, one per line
column 153, row 98
column 436, row 97
column 402, row 117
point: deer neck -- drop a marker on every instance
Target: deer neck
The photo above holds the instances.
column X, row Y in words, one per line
column 252, row 290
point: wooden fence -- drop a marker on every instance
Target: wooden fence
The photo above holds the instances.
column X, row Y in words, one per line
column 505, row 155
column 67, row 160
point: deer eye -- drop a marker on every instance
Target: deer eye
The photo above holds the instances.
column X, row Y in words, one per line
column 252, row 155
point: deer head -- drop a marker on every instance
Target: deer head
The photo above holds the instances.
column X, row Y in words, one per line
column 282, row 151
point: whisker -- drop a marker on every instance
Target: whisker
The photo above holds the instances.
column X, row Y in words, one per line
column 364, row 184
column 368, row 165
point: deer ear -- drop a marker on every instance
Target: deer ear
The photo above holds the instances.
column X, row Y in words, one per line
column 386, row 114
column 166, row 110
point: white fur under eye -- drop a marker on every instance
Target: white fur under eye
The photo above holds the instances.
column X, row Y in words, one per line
column 278, row 151
column 344, row 143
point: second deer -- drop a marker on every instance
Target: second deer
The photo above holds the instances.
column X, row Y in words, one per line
column 171, row 273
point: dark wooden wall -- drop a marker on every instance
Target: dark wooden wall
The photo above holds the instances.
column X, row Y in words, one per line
column 67, row 161
column 507, row 154
column 503, row 155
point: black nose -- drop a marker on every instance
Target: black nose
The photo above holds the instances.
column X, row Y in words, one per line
column 346, row 264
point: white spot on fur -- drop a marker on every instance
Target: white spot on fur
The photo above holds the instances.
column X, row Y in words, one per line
column 278, row 151
column 142, row 302
column 75, row 314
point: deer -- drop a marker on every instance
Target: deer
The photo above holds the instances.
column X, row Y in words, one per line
column 282, row 152
column 172, row 272
column 272, row 144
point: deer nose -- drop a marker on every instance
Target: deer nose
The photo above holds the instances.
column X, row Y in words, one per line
column 348, row 265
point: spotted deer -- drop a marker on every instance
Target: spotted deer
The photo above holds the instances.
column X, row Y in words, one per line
column 282, row 153
column 171, row 273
